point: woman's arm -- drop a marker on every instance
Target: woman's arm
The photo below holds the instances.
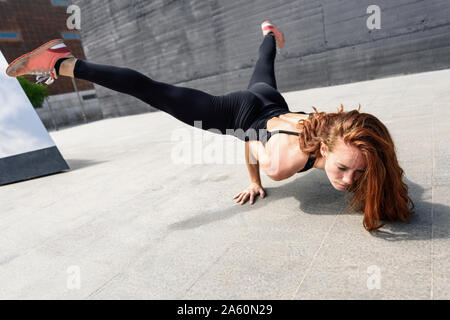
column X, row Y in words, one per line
column 252, row 158
column 257, row 157
column 286, row 158
column 277, row 165
column 281, row 158
column 252, row 164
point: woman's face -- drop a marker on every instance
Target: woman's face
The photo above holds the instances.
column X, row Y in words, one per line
column 344, row 165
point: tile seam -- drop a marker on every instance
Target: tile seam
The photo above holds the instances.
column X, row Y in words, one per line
column 433, row 166
column 315, row 256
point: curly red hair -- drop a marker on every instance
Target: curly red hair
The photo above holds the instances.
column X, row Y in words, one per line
column 380, row 192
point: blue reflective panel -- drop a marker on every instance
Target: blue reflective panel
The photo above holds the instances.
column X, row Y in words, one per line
column 9, row 35
column 60, row 3
column 71, row 36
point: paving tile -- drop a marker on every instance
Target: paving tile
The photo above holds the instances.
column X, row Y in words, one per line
column 141, row 226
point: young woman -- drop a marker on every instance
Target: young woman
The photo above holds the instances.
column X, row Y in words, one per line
column 354, row 149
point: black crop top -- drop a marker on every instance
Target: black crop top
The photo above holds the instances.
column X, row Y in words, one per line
column 311, row 159
column 264, row 135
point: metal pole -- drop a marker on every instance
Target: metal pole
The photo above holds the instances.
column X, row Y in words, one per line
column 51, row 114
column 80, row 99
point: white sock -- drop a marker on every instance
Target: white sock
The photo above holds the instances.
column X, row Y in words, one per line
column 61, row 45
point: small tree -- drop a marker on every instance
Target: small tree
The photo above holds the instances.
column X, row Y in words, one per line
column 36, row 93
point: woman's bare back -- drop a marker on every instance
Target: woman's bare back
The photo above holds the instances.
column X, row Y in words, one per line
column 286, row 121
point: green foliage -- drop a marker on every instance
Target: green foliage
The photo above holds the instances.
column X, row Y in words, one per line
column 36, row 93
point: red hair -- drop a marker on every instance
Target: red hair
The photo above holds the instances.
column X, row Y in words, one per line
column 380, row 192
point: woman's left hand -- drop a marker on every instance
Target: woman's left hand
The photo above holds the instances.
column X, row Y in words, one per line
column 251, row 192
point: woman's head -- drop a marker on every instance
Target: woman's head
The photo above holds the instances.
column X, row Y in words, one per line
column 359, row 156
column 344, row 163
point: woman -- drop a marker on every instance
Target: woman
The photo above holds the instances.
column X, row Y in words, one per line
column 354, row 149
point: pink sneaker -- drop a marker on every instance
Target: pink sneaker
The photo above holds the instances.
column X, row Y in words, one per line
column 40, row 62
column 267, row 27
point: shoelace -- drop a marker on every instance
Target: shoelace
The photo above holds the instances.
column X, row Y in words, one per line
column 47, row 79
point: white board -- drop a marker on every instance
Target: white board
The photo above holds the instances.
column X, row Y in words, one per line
column 26, row 149
column 21, row 129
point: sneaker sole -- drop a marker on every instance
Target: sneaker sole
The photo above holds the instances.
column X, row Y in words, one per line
column 21, row 62
column 279, row 36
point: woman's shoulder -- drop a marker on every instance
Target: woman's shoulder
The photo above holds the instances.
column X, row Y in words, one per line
column 285, row 152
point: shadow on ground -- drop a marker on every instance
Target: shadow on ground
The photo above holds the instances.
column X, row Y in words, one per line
column 316, row 196
column 76, row 164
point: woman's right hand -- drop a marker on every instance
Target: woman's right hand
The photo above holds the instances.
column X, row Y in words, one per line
column 251, row 192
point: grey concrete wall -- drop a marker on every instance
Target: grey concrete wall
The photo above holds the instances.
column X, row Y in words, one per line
column 213, row 45
column 65, row 109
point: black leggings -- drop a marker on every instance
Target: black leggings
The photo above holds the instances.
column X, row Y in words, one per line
column 236, row 110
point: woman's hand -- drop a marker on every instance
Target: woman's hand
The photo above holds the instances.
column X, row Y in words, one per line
column 251, row 192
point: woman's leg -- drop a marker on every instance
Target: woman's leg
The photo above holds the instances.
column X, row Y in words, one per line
column 265, row 66
column 185, row 104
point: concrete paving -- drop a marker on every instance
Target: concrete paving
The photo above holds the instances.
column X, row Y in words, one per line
column 129, row 221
